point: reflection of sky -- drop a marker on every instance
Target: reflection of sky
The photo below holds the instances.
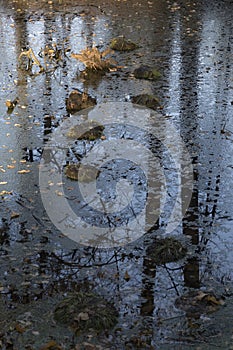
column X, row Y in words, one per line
column 212, row 86
column 215, row 110
column 173, row 106
column 7, row 45
column 36, row 35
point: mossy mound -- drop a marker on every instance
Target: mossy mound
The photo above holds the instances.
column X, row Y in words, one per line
column 122, row 44
column 146, row 72
column 84, row 173
column 166, row 250
column 78, row 101
column 86, row 311
column 89, row 131
column 149, row 101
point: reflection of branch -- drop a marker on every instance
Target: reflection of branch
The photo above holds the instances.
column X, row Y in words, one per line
column 172, row 280
column 78, row 265
column 208, row 200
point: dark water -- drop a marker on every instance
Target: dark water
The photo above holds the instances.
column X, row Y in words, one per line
column 190, row 43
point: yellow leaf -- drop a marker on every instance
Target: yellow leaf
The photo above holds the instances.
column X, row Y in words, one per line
column 2, row 193
column 59, row 193
column 3, row 182
column 23, row 171
column 8, row 103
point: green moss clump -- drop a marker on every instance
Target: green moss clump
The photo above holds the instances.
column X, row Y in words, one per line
column 149, row 101
column 146, row 72
column 166, row 250
column 121, row 44
column 86, row 311
column 78, row 101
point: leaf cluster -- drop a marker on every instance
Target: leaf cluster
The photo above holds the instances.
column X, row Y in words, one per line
column 94, row 59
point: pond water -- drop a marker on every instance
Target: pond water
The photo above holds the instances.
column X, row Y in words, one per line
column 182, row 151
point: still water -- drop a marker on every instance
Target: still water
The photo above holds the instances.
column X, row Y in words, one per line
column 190, row 44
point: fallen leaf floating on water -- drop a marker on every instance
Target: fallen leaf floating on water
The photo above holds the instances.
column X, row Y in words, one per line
column 51, row 345
column 3, row 193
column 19, row 328
column 14, row 215
column 24, row 171
column 127, row 276
column 210, row 298
column 3, row 182
column 11, row 104
column 59, row 193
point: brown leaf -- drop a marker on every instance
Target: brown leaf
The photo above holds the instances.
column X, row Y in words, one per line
column 127, row 276
column 14, row 215
column 51, row 345
column 19, row 328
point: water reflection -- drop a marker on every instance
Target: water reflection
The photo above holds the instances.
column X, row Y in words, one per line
column 195, row 46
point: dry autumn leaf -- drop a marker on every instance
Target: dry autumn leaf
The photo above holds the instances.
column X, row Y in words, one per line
column 93, row 59
column 14, row 215
column 24, row 171
column 127, row 276
column 209, row 298
column 2, row 193
column 51, row 345
column 19, row 328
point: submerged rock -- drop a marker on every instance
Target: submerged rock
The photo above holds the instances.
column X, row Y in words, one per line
column 86, row 311
column 88, row 131
column 122, row 44
column 147, row 100
column 166, row 250
column 79, row 100
column 81, row 173
column 147, row 72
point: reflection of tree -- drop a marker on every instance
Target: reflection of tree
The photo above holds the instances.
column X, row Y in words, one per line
column 149, row 273
column 189, row 127
column 191, row 229
column 4, row 232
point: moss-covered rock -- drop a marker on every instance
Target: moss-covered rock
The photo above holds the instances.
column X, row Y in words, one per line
column 89, row 131
column 166, row 250
column 147, row 100
column 146, row 72
column 85, row 311
column 79, row 100
column 84, row 173
column 122, row 44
